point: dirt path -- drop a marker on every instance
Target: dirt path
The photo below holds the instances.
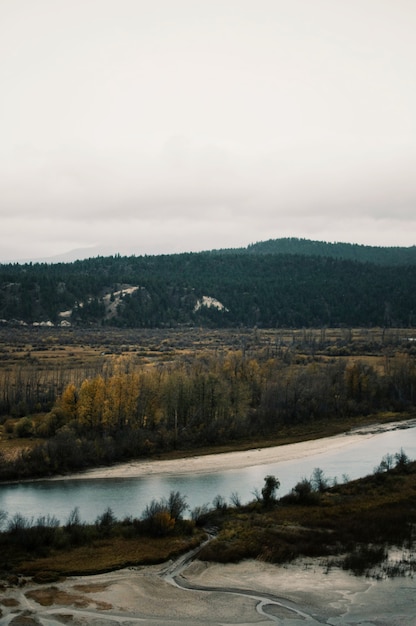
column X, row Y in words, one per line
column 174, row 575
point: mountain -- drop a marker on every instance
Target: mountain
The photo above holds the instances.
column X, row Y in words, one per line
column 277, row 283
column 67, row 257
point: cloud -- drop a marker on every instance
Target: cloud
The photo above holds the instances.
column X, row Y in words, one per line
column 43, row 238
column 193, row 123
column 190, row 181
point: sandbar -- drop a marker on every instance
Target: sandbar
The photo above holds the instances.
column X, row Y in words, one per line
column 203, row 464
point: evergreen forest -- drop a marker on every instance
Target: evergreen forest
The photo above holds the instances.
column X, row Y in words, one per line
column 284, row 283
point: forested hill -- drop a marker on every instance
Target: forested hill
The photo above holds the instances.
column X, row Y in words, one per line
column 348, row 251
column 244, row 287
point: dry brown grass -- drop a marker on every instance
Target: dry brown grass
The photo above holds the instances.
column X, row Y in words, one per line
column 48, row 347
column 359, row 518
column 10, row 447
column 111, row 554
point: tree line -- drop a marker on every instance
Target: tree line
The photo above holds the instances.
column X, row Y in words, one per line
column 133, row 410
column 381, row 255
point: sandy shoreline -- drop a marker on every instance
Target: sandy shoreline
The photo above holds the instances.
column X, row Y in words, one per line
column 236, row 460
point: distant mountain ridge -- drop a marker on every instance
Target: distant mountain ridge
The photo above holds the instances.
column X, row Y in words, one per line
column 385, row 255
column 394, row 255
column 276, row 283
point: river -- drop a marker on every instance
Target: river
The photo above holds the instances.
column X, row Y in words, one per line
column 129, row 488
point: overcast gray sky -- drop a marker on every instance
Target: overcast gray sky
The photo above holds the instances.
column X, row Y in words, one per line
column 153, row 126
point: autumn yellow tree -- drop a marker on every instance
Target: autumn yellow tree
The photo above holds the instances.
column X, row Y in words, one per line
column 68, row 403
column 122, row 392
column 91, row 403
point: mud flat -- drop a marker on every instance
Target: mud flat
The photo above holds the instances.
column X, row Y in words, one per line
column 305, row 593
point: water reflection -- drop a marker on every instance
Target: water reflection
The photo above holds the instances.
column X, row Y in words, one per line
column 129, row 496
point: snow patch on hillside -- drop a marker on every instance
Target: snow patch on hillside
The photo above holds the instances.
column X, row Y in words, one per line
column 209, row 302
column 113, row 299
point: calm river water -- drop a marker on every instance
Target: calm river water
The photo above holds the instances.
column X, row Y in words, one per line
column 129, row 496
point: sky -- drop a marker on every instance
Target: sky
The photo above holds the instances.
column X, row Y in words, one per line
column 150, row 127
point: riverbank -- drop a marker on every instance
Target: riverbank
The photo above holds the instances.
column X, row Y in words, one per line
column 12, row 447
column 239, row 459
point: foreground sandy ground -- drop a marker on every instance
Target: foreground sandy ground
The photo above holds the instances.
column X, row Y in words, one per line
column 300, row 594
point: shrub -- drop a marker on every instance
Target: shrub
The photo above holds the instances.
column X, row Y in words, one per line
column 271, row 485
column 402, row 460
column 219, row 503
column 105, row 522
column 162, row 523
column 3, row 517
column 201, row 514
column 318, row 480
column 302, row 493
column 24, row 427
column 176, row 505
column 363, row 558
column 9, row 426
column 157, row 520
column 76, row 530
column 17, row 524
